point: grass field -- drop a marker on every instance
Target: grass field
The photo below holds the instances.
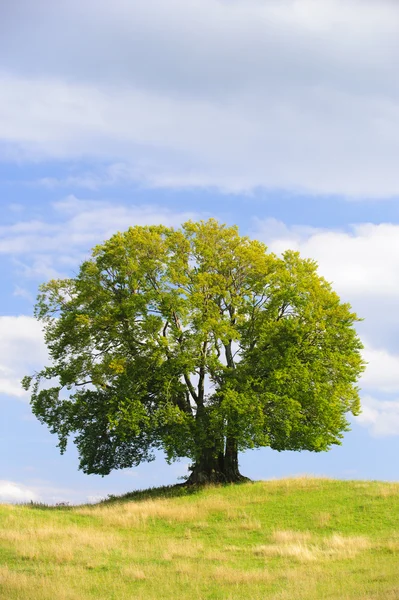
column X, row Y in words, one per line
column 293, row 539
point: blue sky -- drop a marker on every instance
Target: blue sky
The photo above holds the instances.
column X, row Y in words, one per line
column 279, row 116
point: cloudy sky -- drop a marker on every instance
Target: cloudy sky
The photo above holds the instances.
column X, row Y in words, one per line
column 281, row 116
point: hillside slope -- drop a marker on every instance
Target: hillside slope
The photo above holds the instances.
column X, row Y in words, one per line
column 293, row 539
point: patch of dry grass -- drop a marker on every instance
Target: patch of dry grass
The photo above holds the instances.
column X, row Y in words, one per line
column 59, row 544
column 290, row 537
column 228, row 575
column 303, row 546
column 21, row 586
column 134, row 573
column 136, row 514
column 182, row 549
column 133, row 514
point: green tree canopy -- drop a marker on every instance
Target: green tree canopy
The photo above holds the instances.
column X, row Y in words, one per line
column 199, row 342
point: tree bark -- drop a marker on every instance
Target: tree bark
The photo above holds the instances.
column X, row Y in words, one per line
column 221, row 467
column 231, row 461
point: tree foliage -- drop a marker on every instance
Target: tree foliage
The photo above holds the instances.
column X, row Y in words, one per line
column 196, row 341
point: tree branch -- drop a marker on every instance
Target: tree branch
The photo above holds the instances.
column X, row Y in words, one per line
column 201, row 381
column 229, row 355
column 191, row 389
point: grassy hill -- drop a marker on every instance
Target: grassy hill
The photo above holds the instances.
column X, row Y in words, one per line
column 293, row 539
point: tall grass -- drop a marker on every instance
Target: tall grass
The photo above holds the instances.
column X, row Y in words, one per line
column 293, row 539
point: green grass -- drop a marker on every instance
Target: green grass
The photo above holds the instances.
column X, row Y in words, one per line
column 293, row 539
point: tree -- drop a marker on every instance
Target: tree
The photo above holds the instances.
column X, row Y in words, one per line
column 199, row 342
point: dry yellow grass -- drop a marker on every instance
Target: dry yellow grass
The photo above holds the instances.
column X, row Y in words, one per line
column 303, row 546
column 228, row 575
column 182, row 549
column 298, row 551
column 297, row 482
column 134, row 514
column 25, row 587
column 345, row 545
column 68, row 535
column 385, row 490
column 133, row 572
column 217, row 556
column 59, row 545
column 289, row 537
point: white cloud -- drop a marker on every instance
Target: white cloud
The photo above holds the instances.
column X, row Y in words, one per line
column 38, row 490
column 40, row 267
column 280, row 93
column 45, row 249
column 382, row 372
column 11, row 492
column 93, row 179
column 363, row 260
column 89, row 222
column 22, row 350
column 381, row 417
column 81, row 224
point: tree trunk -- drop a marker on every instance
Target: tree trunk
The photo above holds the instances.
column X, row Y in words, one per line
column 231, row 470
column 217, row 467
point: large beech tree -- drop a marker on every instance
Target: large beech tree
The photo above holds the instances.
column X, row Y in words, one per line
column 198, row 342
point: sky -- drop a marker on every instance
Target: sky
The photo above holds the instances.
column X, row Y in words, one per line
column 280, row 116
